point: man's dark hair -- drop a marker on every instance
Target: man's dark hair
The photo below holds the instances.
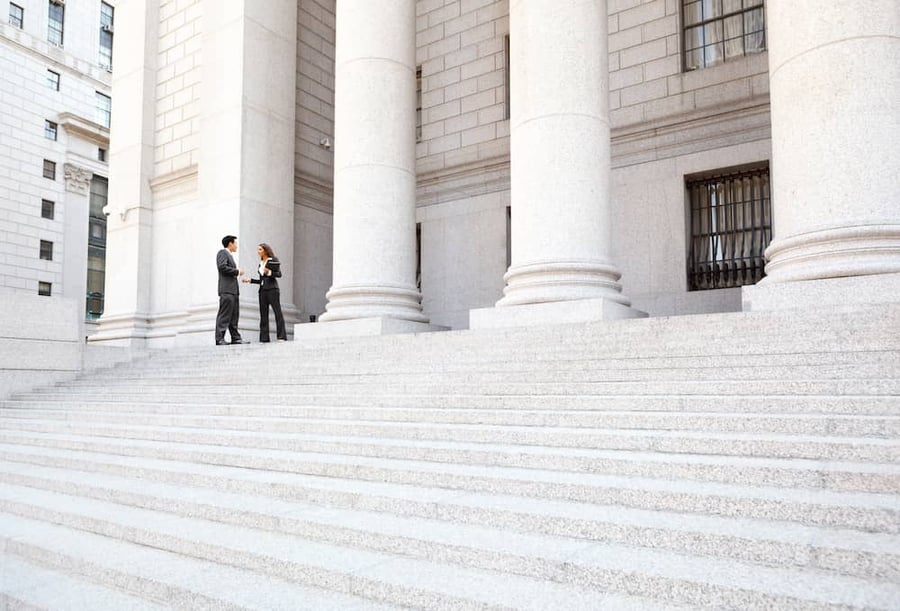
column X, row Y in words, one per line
column 228, row 240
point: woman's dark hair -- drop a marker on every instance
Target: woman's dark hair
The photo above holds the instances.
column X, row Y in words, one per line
column 269, row 252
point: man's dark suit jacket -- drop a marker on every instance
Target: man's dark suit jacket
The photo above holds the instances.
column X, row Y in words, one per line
column 228, row 273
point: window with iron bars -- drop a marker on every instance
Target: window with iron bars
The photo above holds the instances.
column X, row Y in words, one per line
column 730, row 228
column 715, row 31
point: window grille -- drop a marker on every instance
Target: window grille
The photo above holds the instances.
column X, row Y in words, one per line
column 731, row 226
column 715, row 31
column 418, row 103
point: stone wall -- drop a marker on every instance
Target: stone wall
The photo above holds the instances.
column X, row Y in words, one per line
column 39, row 341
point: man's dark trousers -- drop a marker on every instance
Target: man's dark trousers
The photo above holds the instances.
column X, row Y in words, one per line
column 229, row 305
column 227, row 318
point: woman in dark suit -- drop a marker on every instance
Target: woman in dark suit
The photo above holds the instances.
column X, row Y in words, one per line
column 269, row 294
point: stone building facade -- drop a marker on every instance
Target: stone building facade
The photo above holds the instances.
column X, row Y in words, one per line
column 55, row 86
column 371, row 144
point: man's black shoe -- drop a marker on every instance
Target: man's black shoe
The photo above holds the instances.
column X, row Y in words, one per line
column 220, row 344
column 240, row 341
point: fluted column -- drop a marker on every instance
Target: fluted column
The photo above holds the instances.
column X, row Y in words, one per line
column 374, row 163
column 560, row 154
column 835, row 93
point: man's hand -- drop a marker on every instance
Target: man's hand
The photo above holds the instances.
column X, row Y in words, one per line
column 240, row 272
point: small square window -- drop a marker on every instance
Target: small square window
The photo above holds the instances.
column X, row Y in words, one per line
column 50, row 169
column 101, row 154
column 46, row 250
column 44, row 288
column 16, row 15
column 47, row 208
column 53, row 80
column 50, row 130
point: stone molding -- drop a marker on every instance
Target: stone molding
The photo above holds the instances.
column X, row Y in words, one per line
column 89, row 130
column 78, row 179
column 313, row 192
column 463, row 181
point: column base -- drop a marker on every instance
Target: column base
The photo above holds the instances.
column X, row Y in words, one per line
column 554, row 313
column 852, row 290
column 361, row 327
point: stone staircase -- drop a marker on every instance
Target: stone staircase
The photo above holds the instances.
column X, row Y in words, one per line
column 743, row 461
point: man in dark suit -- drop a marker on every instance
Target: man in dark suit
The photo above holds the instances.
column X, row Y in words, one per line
column 229, row 305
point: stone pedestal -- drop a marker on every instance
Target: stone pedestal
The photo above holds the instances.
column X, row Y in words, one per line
column 560, row 155
column 829, row 292
column 835, row 90
column 374, row 164
column 539, row 314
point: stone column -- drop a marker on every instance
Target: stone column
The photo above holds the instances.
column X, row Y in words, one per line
column 374, row 166
column 835, row 91
column 129, row 259
column 246, row 152
column 560, row 164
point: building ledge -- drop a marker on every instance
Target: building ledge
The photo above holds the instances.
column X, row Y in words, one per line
column 88, row 130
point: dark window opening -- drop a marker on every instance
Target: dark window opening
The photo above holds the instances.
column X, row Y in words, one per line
column 730, row 228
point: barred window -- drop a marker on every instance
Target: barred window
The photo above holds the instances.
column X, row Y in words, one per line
column 418, row 103
column 715, row 31
column 730, row 225
column 55, row 23
column 48, row 208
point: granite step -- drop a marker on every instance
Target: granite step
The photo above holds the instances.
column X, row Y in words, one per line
column 561, row 573
column 846, row 423
column 377, row 576
column 865, row 512
column 365, row 438
column 563, row 349
column 451, row 534
column 841, row 476
column 144, row 572
column 25, row 587
column 579, row 371
column 205, row 393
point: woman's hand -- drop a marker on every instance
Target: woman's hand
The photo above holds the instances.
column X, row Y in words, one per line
column 245, row 280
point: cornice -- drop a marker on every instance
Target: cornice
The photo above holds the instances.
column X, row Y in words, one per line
column 85, row 128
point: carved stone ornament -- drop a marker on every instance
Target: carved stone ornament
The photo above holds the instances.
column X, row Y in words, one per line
column 78, row 179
